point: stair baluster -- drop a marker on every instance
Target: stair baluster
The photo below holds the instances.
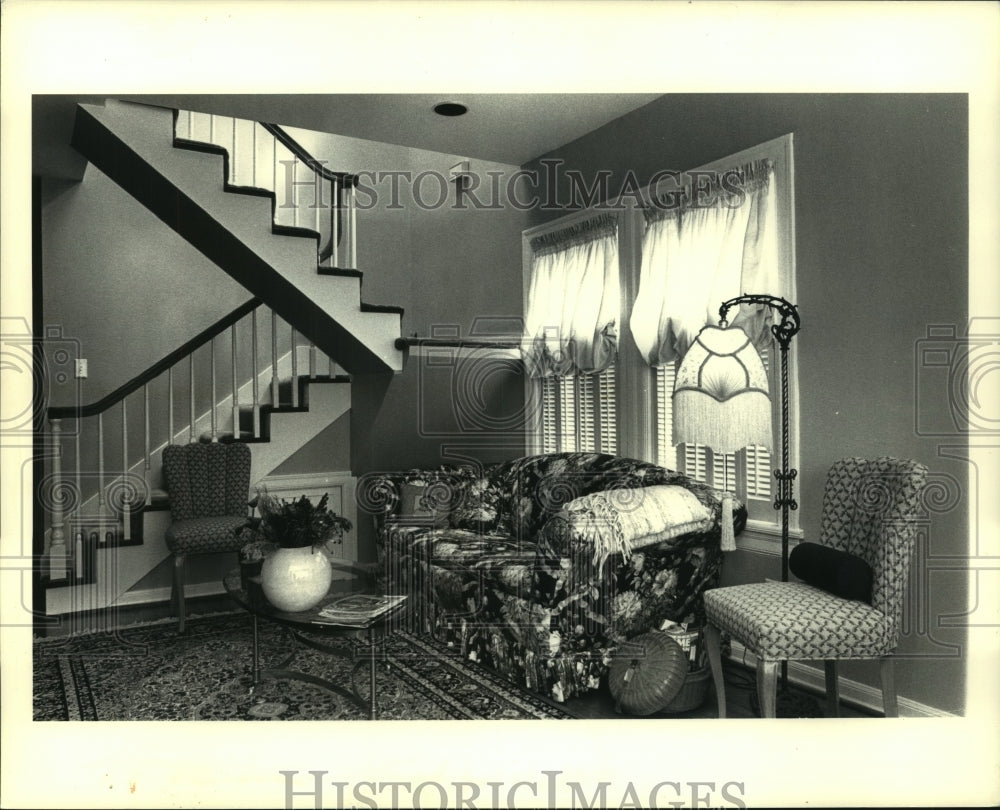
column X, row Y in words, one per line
column 295, row 369
column 58, row 552
column 256, row 392
column 101, row 505
column 147, row 465
column 215, row 395
column 170, row 405
column 352, row 220
column 126, row 490
column 275, row 394
column 234, row 156
column 191, row 437
column 253, row 152
column 315, row 209
column 76, row 464
column 294, row 202
column 236, row 385
column 335, row 223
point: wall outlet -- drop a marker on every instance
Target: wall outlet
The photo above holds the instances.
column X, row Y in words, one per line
column 81, row 369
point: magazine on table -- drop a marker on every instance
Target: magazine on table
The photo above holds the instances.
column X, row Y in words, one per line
column 359, row 608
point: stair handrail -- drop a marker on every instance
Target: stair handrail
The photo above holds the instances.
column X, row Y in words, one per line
column 344, row 180
column 303, row 154
column 178, row 354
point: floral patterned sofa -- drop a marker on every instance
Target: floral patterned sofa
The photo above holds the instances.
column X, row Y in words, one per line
column 538, row 567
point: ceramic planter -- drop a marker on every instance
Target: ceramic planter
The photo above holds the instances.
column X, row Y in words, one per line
column 295, row 579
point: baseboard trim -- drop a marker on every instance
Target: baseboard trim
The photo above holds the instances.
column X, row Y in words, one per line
column 151, row 595
column 851, row 691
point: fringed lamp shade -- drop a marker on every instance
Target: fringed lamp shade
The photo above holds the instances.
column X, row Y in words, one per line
column 720, row 394
column 721, row 400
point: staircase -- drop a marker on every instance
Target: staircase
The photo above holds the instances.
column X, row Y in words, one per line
column 289, row 237
column 105, row 472
column 232, row 202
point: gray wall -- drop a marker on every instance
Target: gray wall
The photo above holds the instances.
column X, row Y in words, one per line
column 122, row 283
column 449, row 265
column 881, row 188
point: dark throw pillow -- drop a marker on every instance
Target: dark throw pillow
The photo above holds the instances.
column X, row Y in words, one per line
column 834, row 571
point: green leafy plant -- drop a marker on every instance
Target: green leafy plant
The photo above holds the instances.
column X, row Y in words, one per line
column 293, row 523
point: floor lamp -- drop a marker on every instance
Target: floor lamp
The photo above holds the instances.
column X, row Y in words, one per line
column 783, row 332
column 721, row 399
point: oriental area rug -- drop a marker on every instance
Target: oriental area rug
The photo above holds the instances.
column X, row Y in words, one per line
column 149, row 672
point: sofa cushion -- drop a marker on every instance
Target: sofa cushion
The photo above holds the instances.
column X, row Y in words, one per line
column 203, row 535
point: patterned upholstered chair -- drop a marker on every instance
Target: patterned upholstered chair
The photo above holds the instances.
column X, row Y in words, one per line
column 869, row 507
column 209, row 485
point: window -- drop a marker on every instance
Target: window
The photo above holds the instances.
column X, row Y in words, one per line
column 626, row 408
column 748, row 472
column 578, row 413
column 572, row 307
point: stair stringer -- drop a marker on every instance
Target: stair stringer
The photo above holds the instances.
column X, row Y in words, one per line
column 119, row 569
column 133, row 145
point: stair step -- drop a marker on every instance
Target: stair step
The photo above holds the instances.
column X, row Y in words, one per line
column 186, row 190
column 294, row 230
column 284, row 406
column 339, row 271
column 159, row 500
column 282, row 230
column 381, row 308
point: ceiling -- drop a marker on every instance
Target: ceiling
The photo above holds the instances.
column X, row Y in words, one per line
column 505, row 128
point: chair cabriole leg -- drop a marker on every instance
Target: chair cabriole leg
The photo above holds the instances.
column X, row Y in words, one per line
column 767, row 687
column 179, row 566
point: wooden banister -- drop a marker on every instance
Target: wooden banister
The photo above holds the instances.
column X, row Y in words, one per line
column 122, row 391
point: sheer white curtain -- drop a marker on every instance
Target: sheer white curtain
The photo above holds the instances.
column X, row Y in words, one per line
column 573, row 300
column 699, row 254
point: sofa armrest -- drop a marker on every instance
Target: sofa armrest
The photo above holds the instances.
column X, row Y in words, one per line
column 425, row 497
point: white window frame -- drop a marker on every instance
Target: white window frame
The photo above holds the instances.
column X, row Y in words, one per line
column 764, row 521
column 533, row 391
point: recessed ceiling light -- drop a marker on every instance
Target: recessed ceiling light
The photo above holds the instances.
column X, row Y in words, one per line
column 450, row 109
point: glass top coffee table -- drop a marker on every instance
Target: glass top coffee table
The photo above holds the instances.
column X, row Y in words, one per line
column 352, row 608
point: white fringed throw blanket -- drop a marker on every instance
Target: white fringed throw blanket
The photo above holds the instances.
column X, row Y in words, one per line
column 620, row 520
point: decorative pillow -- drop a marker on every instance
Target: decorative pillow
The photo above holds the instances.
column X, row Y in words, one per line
column 423, row 503
column 834, row 571
column 620, row 520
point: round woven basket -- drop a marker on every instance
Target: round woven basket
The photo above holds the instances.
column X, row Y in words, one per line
column 647, row 673
column 692, row 694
